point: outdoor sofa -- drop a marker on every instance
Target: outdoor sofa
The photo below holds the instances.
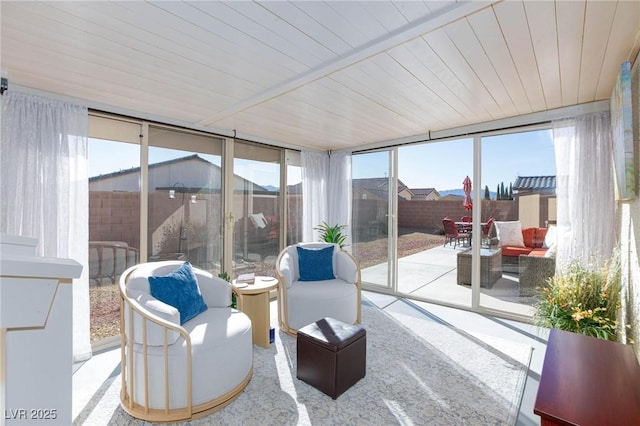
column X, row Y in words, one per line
column 529, row 252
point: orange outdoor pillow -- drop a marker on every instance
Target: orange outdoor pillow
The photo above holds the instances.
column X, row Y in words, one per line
column 539, row 240
column 528, row 236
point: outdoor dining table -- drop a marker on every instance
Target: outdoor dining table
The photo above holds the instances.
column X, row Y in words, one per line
column 466, row 227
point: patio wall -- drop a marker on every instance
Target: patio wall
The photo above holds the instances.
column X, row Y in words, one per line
column 428, row 214
column 114, row 216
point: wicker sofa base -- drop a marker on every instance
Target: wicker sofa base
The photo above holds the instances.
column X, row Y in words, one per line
column 535, row 272
column 490, row 267
column 510, row 264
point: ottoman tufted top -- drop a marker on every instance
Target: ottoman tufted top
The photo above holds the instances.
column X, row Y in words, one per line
column 331, row 333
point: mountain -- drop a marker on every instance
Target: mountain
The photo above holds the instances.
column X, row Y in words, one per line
column 460, row 192
column 453, row 192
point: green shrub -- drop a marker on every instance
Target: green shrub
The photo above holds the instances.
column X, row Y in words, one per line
column 583, row 299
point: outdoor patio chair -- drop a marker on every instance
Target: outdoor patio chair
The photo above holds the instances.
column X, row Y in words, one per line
column 451, row 233
column 486, row 233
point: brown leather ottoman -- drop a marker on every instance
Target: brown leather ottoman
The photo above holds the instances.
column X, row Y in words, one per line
column 331, row 355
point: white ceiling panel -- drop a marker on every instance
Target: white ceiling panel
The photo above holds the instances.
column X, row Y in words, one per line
column 352, row 31
column 541, row 18
column 309, row 25
column 485, row 27
column 570, row 19
column 626, row 23
column 428, row 69
column 594, row 41
column 321, row 74
column 515, row 29
column 467, row 43
column 264, row 35
column 452, row 67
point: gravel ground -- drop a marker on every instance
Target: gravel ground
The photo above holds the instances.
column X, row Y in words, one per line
column 105, row 298
column 374, row 252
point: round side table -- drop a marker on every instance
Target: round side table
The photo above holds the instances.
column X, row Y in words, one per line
column 253, row 300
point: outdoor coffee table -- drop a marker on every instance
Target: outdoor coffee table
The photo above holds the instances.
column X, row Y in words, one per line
column 490, row 267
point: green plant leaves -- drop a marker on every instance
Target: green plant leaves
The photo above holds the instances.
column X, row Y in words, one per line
column 583, row 299
column 332, row 234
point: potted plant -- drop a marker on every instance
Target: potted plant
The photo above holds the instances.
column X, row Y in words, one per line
column 332, row 234
column 227, row 278
column 582, row 299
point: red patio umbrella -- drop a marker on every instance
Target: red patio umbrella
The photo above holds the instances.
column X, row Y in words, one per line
column 466, row 185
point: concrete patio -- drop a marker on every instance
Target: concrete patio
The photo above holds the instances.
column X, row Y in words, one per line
column 432, row 274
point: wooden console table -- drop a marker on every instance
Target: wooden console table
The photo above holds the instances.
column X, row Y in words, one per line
column 588, row 381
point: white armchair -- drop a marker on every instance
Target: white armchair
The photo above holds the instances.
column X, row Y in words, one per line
column 304, row 302
column 175, row 372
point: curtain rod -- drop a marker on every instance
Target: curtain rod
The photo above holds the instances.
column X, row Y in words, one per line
column 523, row 127
column 540, row 118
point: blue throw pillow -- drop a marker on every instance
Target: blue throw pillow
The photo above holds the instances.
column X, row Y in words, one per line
column 180, row 290
column 315, row 264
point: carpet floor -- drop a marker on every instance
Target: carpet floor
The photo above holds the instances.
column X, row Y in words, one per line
column 419, row 372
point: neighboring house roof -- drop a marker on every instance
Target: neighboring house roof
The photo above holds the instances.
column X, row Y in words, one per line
column 198, row 183
column 535, row 183
column 424, row 192
column 379, row 188
column 376, row 184
column 151, row 166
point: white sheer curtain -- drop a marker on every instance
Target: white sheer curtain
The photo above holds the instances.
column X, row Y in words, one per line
column 585, row 188
column 45, row 188
column 315, row 176
column 339, row 192
column 326, row 192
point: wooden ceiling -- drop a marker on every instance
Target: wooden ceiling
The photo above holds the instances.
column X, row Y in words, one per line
column 322, row 74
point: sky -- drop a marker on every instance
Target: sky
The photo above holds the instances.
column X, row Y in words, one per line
column 440, row 165
column 444, row 165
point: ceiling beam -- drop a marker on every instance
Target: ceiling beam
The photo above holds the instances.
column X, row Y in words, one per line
column 395, row 38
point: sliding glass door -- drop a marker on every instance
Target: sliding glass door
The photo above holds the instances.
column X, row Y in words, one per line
column 518, row 191
column 434, row 263
column 493, row 183
column 373, row 225
column 256, row 208
column 184, row 195
column 114, row 218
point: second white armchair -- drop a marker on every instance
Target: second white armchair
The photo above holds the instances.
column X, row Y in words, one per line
column 317, row 280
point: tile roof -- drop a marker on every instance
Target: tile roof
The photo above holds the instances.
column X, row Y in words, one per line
column 422, row 191
column 534, row 183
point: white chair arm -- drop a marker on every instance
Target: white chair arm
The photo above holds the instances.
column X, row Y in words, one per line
column 286, row 268
column 157, row 316
column 156, row 307
column 215, row 291
column 346, row 267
